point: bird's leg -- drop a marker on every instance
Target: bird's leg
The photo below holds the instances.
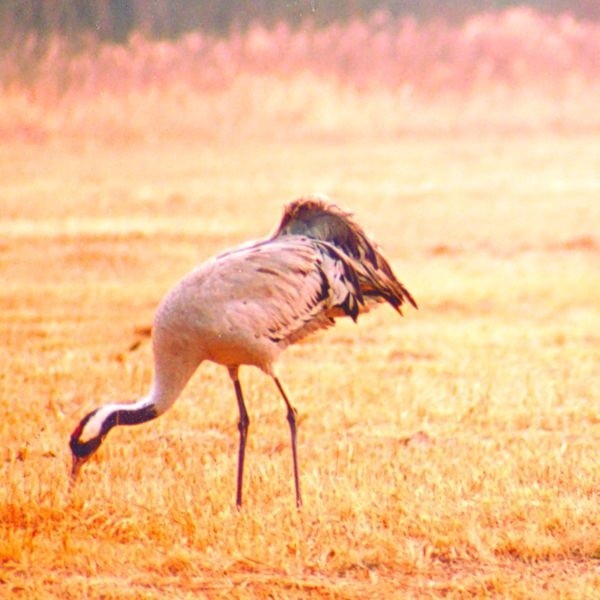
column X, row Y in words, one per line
column 291, row 417
column 243, row 424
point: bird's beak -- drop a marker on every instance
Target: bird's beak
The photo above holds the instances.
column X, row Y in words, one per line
column 76, row 467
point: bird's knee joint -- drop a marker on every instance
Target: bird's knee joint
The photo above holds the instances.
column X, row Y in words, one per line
column 291, row 415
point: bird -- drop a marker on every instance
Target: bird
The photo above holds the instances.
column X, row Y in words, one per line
column 248, row 304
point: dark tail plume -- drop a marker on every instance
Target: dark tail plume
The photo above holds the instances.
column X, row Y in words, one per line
column 317, row 218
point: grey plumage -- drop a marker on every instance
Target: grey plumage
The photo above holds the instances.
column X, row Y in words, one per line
column 246, row 305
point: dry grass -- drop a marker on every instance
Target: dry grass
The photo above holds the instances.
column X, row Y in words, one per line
column 496, row 237
column 452, row 453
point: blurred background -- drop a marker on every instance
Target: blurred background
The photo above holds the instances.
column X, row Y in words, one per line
column 143, row 69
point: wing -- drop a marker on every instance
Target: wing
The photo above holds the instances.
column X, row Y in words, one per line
column 318, row 264
column 318, row 219
column 287, row 288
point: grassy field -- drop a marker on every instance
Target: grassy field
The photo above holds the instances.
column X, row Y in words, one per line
column 449, row 453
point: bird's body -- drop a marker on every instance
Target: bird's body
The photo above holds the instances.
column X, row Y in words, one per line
column 246, row 305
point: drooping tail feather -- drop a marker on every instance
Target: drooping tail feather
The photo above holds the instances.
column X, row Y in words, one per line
column 317, row 218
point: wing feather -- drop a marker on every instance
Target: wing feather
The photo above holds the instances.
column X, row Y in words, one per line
column 289, row 287
column 317, row 218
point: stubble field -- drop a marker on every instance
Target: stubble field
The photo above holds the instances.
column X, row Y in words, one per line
column 454, row 451
column 449, row 453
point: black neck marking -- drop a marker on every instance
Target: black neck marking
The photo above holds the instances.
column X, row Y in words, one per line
column 127, row 416
column 118, row 417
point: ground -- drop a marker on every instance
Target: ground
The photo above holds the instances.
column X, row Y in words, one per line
column 452, row 452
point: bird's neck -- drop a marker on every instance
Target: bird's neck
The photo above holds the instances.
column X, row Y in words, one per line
column 163, row 394
column 98, row 423
column 173, row 368
column 131, row 415
column 170, row 377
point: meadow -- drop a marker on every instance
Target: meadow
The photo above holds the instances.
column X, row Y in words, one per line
column 449, row 453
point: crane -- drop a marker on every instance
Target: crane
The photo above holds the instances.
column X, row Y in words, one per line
column 245, row 306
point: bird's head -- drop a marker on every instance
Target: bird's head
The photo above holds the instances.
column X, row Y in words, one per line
column 94, row 427
column 87, row 438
